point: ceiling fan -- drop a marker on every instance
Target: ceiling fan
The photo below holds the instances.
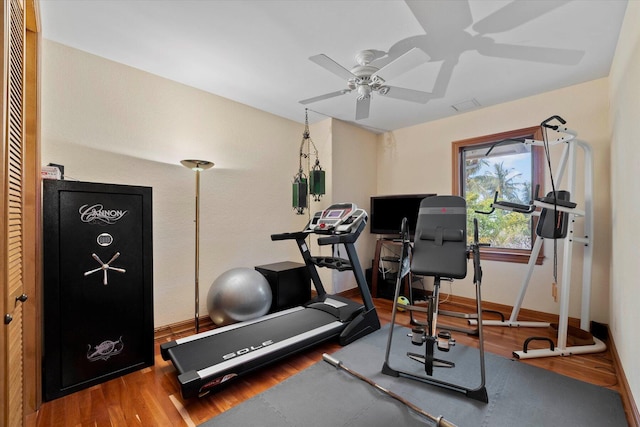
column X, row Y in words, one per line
column 365, row 78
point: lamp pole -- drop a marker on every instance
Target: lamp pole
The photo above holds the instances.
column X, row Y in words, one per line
column 197, row 166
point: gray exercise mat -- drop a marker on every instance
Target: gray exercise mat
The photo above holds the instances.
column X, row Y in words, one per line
column 519, row 394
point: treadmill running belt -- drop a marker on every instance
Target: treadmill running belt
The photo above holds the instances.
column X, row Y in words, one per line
column 210, row 350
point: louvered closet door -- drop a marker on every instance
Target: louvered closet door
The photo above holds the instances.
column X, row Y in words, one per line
column 11, row 222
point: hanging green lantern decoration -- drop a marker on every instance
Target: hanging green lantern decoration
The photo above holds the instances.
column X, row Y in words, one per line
column 313, row 183
column 300, row 193
column 316, row 181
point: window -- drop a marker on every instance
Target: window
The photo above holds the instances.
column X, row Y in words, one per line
column 480, row 168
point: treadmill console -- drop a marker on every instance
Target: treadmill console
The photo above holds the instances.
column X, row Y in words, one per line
column 338, row 218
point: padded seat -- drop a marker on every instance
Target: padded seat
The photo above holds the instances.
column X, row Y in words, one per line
column 440, row 246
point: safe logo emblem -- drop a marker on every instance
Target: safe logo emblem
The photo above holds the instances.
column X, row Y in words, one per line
column 105, row 350
column 97, row 214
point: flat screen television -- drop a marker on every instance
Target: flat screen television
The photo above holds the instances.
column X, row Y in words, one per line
column 386, row 212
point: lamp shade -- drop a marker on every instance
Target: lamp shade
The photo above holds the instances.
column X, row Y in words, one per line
column 316, row 183
column 299, row 193
column 197, row 165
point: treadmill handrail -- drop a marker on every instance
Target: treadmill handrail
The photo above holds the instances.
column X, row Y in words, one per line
column 290, row 236
column 342, row 238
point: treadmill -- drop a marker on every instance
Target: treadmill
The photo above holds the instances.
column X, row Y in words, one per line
column 208, row 360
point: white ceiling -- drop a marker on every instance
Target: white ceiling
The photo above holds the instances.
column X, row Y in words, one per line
column 257, row 52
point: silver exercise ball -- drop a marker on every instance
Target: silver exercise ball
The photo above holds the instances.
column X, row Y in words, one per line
column 237, row 295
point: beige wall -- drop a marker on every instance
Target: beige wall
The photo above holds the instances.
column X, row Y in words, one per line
column 348, row 153
column 625, row 195
column 106, row 122
column 418, row 160
column 354, row 180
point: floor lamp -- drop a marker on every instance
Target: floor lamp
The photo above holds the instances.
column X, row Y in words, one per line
column 197, row 166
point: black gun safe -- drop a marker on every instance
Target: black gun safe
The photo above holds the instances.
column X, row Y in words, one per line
column 98, row 283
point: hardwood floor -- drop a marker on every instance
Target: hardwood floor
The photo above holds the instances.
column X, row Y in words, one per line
column 151, row 397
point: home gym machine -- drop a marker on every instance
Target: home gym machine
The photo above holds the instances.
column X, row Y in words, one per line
column 558, row 216
column 210, row 359
column 440, row 250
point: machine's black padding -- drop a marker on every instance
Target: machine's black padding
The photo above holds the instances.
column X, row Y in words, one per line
column 552, row 226
column 440, row 234
column 512, row 205
column 445, row 258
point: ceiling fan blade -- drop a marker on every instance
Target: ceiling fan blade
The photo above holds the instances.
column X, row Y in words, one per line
column 330, row 65
column 550, row 55
column 515, row 14
column 404, row 94
column 441, row 17
column 402, row 64
column 362, row 108
column 325, row 96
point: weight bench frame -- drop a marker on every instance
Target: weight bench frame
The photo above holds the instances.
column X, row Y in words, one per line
column 440, row 251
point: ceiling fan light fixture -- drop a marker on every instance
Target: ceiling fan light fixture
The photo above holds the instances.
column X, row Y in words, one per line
column 364, row 91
